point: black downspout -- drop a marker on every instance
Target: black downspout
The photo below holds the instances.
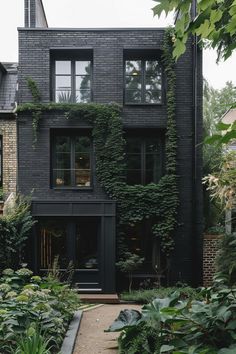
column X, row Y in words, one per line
column 197, row 247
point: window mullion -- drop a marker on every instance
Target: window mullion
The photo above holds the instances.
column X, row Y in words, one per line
column 143, row 80
column 143, row 162
column 73, row 79
column 72, row 161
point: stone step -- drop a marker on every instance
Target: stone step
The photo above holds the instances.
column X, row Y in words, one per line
column 100, row 298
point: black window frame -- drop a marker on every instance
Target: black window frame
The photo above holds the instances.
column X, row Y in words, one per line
column 143, row 55
column 71, row 133
column 143, row 143
column 73, row 56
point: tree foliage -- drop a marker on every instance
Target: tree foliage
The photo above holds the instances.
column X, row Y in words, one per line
column 214, row 23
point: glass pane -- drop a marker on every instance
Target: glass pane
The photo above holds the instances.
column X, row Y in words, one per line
column 63, row 67
column 82, row 178
column 152, row 145
column 133, row 82
column 133, row 162
column 62, row 160
column 83, row 83
column 133, row 96
column 153, row 83
column 63, row 96
column 87, row 245
column 83, row 96
column 53, row 245
column 153, row 168
column 152, row 68
column 61, row 178
column 133, row 67
column 63, row 144
column 133, row 145
column 82, row 144
column 152, row 96
column 63, row 83
column 83, row 67
column 133, row 177
column 82, row 160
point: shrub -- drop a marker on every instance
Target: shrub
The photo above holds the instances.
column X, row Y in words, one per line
column 31, row 302
column 146, row 296
column 172, row 325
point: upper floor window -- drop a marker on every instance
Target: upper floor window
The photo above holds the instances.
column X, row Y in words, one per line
column 72, row 81
column 71, row 160
column 143, row 81
column 144, row 157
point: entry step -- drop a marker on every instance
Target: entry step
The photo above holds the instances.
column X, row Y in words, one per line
column 100, row 298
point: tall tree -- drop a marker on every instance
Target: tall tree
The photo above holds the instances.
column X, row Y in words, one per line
column 213, row 21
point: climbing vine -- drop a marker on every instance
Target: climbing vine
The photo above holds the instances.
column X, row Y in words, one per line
column 156, row 203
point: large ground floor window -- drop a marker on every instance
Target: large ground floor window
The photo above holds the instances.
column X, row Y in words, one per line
column 74, row 241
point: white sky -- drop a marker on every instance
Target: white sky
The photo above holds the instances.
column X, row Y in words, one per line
column 99, row 13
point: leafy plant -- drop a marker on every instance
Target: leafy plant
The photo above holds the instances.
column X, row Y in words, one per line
column 129, row 264
column 31, row 306
column 183, row 326
column 212, row 21
column 146, row 296
column 33, row 344
column 15, row 227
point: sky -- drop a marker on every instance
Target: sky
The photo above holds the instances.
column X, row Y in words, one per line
column 100, row 13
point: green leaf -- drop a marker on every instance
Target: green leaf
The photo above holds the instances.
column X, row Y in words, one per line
column 179, row 48
column 126, row 318
column 222, row 126
column 212, row 139
column 166, row 348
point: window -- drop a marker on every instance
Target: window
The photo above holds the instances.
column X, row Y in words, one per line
column 143, row 81
column 67, row 240
column 144, row 157
column 1, row 161
column 71, row 160
column 71, row 76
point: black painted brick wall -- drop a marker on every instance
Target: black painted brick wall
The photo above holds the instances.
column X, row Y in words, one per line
column 108, row 46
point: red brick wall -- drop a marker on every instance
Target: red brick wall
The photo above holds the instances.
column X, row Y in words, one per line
column 210, row 247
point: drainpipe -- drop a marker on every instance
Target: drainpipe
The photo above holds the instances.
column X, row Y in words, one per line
column 195, row 252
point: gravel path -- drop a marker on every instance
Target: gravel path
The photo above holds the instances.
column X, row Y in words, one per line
column 91, row 338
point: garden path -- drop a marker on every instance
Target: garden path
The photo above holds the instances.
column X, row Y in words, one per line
column 91, row 338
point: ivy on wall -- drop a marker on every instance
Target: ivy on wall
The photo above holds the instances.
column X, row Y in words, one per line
column 155, row 202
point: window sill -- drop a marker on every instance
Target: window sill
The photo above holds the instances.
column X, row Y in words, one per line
column 144, row 104
column 72, row 188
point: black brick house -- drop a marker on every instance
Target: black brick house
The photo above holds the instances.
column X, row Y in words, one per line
column 76, row 218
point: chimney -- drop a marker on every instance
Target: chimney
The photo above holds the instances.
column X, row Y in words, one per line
column 34, row 14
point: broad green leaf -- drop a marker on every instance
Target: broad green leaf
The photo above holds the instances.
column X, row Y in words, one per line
column 179, row 48
column 213, row 139
column 126, row 318
column 228, row 136
column 216, row 16
column 166, row 348
column 205, row 29
column 222, row 126
column 204, row 4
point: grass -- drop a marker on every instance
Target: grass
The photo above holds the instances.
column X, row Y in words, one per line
column 146, row 296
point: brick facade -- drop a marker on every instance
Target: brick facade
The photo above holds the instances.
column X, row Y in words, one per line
column 8, row 131
column 210, row 248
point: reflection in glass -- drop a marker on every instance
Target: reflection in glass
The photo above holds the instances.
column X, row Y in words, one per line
column 63, row 67
column 143, row 81
column 72, row 161
column 53, row 245
column 87, row 245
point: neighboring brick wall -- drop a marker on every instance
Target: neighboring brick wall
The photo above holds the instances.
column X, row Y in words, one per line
column 9, row 133
column 210, row 248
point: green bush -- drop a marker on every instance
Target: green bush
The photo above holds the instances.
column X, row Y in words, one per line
column 29, row 303
column 15, row 228
column 146, row 296
column 175, row 326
